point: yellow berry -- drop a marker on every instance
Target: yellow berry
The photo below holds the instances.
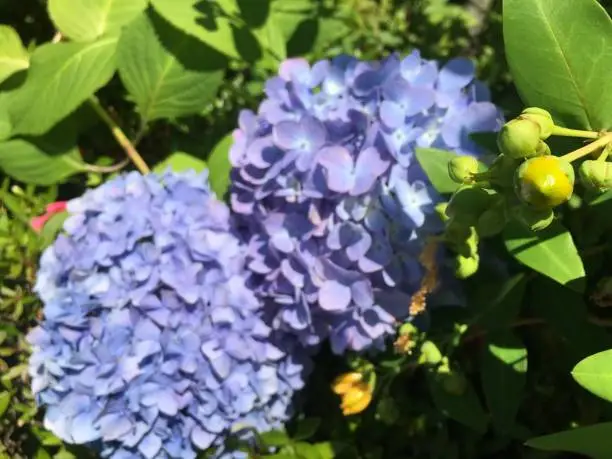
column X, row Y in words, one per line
column 544, row 182
column 346, row 381
column 356, row 400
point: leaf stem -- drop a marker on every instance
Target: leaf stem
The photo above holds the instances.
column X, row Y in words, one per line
column 121, row 138
column 577, row 154
column 107, row 169
column 566, row 132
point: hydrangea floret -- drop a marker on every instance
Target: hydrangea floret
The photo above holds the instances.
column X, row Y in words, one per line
column 152, row 345
column 335, row 207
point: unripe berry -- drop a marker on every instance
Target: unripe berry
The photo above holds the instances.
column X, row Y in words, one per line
column 535, row 220
column 596, row 175
column 492, row 221
column 461, row 169
column 519, row 138
column 544, row 182
column 542, row 118
column 468, row 203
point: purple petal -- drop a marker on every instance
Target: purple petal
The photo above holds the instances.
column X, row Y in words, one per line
column 201, row 438
column 334, row 296
column 338, row 165
column 150, row 446
column 391, row 114
column 456, row 74
column 369, row 168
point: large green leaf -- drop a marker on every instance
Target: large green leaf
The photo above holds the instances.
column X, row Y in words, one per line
column 13, row 56
column 566, row 313
column 595, row 374
column 560, row 55
column 463, row 407
column 179, row 162
column 202, row 20
column 495, row 304
column 61, row 77
column 219, row 166
column 551, row 252
column 168, row 73
column 435, row 164
column 85, row 20
column 593, row 441
column 28, row 162
column 503, row 374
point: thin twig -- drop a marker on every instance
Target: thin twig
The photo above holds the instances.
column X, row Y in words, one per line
column 121, row 138
column 107, row 169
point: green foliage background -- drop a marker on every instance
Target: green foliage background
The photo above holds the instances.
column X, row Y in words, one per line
column 53, row 144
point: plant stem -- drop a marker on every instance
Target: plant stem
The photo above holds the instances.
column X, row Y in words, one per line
column 577, row 154
column 107, row 169
column 121, row 138
column 565, row 132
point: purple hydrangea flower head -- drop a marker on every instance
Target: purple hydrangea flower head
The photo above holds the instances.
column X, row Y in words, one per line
column 152, row 345
column 328, row 192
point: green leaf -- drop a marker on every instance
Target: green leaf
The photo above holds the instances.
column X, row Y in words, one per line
column 13, row 56
column 5, row 400
column 503, row 374
column 306, row 428
column 27, row 162
column 566, row 313
column 593, row 441
column 52, row 227
column 274, row 438
column 61, row 77
column 167, row 73
column 86, row 20
column 464, row 407
column 560, row 55
column 550, row 252
column 435, row 164
column 495, row 304
column 595, row 374
column 179, row 162
column 219, row 166
column 200, row 19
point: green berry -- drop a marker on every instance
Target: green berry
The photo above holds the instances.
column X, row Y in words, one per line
column 542, row 118
column 596, row 175
column 461, row 169
column 468, row 203
column 492, row 221
column 519, row 138
column 535, row 220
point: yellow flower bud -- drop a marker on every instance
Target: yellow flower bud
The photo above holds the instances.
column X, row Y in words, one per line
column 542, row 118
column 544, row 182
column 346, row 381
column 357, row 399
column 519, row 138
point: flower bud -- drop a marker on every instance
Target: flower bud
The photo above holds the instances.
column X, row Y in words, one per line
column 468, row 203
column 519, row 138
column 542, row 118
column 596, row 175
column 466, row 266
column 535, row 220
column 543, row 149
column 461, row 169
column 502, row 170
column 492, row 221
column 544, row 182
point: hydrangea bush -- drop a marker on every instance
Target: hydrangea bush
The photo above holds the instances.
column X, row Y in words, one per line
column 334, row 204
column 152, row 345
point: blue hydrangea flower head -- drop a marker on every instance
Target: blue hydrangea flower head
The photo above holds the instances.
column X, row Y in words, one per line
column 330, row 196
column 152, row 345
